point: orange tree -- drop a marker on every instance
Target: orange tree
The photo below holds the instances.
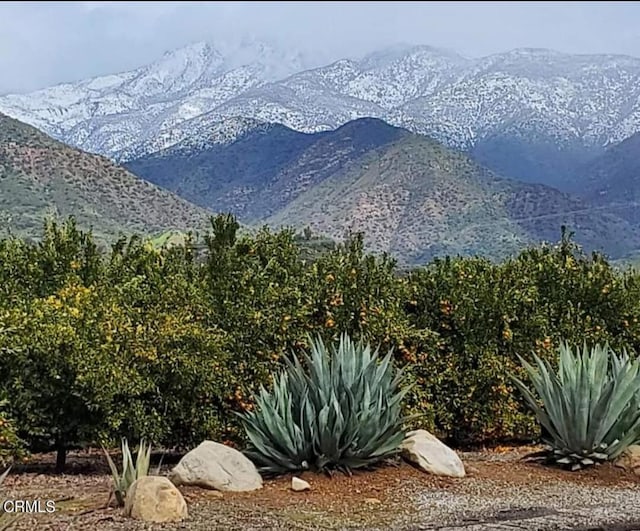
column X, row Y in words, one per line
column 161, row 319
column 48, row 314
column 252, row 293
column 486, row 314
column 60, row 375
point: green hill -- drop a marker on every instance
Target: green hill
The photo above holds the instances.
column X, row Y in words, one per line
column 40, row 176
column 417, row 199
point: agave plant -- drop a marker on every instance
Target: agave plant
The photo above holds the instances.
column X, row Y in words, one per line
column 340, row 411
column 130, row 471
column 590, row 409
column 6, row 519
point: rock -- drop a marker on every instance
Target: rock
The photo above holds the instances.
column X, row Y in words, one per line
column 215, row 466
column 299, row 485
column 629, row 460
column 372, row 500
column 471, row 470
column 155, row 499
column 428, row 453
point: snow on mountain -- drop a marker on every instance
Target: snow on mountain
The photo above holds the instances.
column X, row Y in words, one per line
column 114, row 113
column 572, row 101
column 209, row 131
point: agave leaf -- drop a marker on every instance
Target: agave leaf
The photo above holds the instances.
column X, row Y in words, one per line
column 625, row 390
column 4, row 475
column 540, row 413
column 144, row 460
column 599, row 412
column 114, row 470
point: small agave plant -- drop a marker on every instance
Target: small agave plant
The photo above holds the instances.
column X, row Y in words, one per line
column 130, row 471
column 6, row 519
column 590, row 409
column 338, row 410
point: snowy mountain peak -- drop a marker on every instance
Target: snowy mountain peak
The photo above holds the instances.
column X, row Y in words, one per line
column 199, row 48
column 178, row 70
column 402, row 52
column 527, row 95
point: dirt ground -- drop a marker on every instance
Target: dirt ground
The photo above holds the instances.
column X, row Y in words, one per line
column 500, row 492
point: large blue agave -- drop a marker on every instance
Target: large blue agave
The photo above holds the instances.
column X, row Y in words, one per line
column 340, row 411
column 590, row 408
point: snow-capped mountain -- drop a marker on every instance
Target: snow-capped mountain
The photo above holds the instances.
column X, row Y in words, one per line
column 528, row 113
column 113, row 113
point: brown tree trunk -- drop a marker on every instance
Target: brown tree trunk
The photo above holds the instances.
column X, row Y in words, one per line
column 61, row 456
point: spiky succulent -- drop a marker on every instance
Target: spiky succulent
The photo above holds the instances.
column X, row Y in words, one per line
column 4, row 475
column 590, row 409
column 6, row 519
column 130, row 471
column 340, row 411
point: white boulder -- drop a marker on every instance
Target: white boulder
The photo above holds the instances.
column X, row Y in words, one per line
column 215, row 466
column 429, row 454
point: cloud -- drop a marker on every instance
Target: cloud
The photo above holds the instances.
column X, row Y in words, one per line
column 52, row 42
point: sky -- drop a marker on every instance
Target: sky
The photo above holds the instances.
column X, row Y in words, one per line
column 42, row 44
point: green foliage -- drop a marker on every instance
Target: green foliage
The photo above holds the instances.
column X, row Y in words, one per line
column 166, row 344
column 486, row 314
column 61, row 375
column 341, row 410
column 591, row 408
column 130, row 471
column 11, row 446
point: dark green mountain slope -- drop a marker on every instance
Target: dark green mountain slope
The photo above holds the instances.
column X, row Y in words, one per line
column 264, row 169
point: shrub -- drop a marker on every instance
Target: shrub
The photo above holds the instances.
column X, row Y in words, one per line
column 159, row 318
column 590, row 408
column 341, row 411
column 482, row 315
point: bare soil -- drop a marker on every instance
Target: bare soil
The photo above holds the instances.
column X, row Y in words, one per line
column 500, row 492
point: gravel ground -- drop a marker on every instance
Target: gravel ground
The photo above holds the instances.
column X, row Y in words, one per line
column 501, row 492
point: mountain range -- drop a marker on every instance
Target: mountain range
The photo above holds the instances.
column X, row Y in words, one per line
column 412, row 196
column 427, row 152
column 40, row 176
column 531, row 114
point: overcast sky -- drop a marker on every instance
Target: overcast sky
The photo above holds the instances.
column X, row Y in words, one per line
column 43, row 44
